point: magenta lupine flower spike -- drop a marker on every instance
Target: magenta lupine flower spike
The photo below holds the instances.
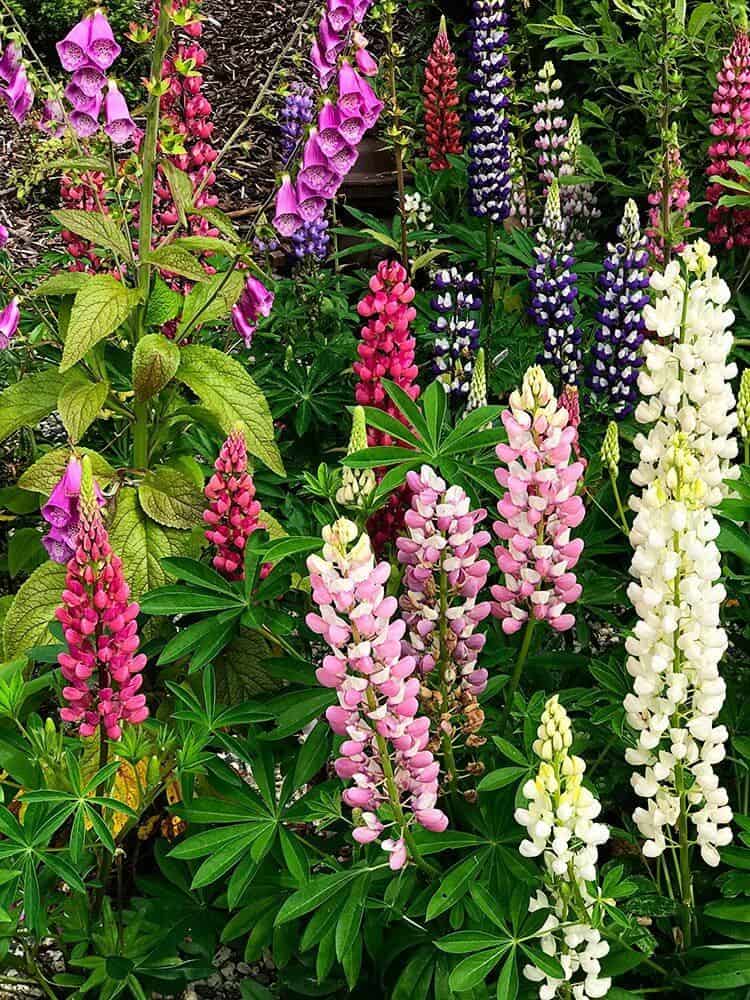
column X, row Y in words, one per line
column 10, row 317
column 377, row 693
column 256, row 301
column 538, row 511
column 232, row 514
column 102, row 48
column 287, row 219
column 62, row 514
column 101, row 667
column 119, row 125
column 444, row 577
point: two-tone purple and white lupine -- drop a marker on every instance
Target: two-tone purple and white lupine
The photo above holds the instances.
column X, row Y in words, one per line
column 385, row 751
column 444, row 577
column 489, row 151
column 15, row 87
column 457, row 304
column 297, row 112
column 623, row 294
column 579, row 202
column 554, row 289
column 551, row 126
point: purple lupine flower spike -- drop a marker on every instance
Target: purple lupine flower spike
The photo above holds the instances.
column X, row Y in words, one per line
column 554, row 289
column 489, row 154
column 10, row 317
column 296, row 114
column 623, row 294
column 311, row 240
column 119, row 125
column 102, row 49
column 456, row 327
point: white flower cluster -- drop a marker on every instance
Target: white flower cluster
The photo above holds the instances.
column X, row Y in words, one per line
column 418, row 211
column 678, row 641
column 559, row 818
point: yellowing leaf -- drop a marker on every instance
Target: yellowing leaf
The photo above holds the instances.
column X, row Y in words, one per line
column 80, row 403
column 99, row 308
column 25, row 403
column 27, row 621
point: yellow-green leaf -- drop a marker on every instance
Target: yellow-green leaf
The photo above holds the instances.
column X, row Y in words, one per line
column 155, row 363
column 64, row 283
column 177, row 260
column 33, row 608
column 99, row 308
column 170, row 498
column 46, row 472
column 99, row 229
column 80, row 403
column 212, row 300
column 181, row 188
column 25, row 403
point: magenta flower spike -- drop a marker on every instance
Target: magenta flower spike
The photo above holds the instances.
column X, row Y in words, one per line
column 287, row 219
column 4, row 236
column 257, row 297
column 316, row 170
column 9, row 62
column 89, row 80
column 73, row 49
column 311, row 203
column 10, row 317
column 352, row 129
column 330, row 42
column 119, row 125
column 330, row 139
column 233, row 512
column 350, row 95
column 102, row 49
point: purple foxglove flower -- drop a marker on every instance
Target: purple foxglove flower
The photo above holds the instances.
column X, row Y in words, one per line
column 330, row 138
column 60, row 544
column 311, row 240
column 330, row 41
column 4, row 235
column 287, row 219
column 89, row 80
column 371, row 105
column 9, row 320
column 62, row 512
column 340, row 15
column 86, row 123
column 244, row 327
column 554, row 289
column 350, row 96
column 119, row 125
column 343, row 161
column 311, row 203
column 102, row 49
column 352, row 129
column 9, row 62
column 296, row 115
column 73, row 49
column 366, row 64
column 325, row 70
column 23, row 96
column 53, row 118
column 456, row 327
column 316, row 170
column 80, row 101
column 489, row 155
column 623, row 293
column 256, row 300
column 360, row 8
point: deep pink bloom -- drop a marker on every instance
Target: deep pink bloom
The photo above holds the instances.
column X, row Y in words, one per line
column 10, row 317
column 15, row 87
column 232, row 513
column 119, row 125
column 256, row 301
column 101, row 666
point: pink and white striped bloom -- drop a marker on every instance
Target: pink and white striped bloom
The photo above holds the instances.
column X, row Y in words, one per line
column 538, row 511
column 384, row 753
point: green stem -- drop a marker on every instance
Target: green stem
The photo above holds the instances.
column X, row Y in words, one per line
column 398, row 149
column 489, row 278
column 450, row 760
column 618, row 501
column 512, row 687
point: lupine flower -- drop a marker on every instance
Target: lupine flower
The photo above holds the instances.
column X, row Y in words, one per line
column 10, row 317
column 623, row 295
column 554, row 289
column 489, row 153
column 297, row 113
column 579, row 203
column 232, row 514
column 256, row 301
column 743, row 406
column 672, row 177
column 102, row 670
column 456, row 327
column 15, row 87
column 678, row 642
column 551, row 126
column 559, row 819
column 478, row 387
column 377, row 693
column 540, row 508
column 443, row 579
column 62, row 513
column 357, row 484
column 520, row 210
column 441, row 121
column 119, row 125
column 312, row 240
column 418, row 211
column 729, row 226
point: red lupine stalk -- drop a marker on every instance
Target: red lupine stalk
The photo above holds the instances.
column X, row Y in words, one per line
column 386, row 351
column 232, row 513
column 730, row 227
column 442, row 123
column 101, row 666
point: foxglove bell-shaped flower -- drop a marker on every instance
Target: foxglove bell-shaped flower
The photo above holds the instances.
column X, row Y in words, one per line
column 4, row 236
column 287, row 219
column 119, row 125
column 17, row 91
column 73, row 49
column 256, row 301
column 102, row 48
column 86, row 122
column 10, row 317
column 62, row 512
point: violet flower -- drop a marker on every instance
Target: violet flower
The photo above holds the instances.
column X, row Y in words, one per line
column 296, row 114
column 456, row 328
column 256, row 301
column 119, row 125
column 10, row 316
column 62, row 513
column 88, row 51
column 311, row 240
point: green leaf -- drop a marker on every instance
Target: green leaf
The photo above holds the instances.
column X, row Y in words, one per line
column 181, row 188
column 64, row 283
column 33, row 608
column 507, row 982
column 176, row 260
column 729, row 909
column 45, row 474
column 212, row 300
column 25, row 551
column 170, row 498
column 466, row 942
column 549, row 966
column 99, row 308
column 728, row 974
column 177, row 599
column 240, row 669
column 207, row 245
column 163, row 303
column 155, row 363
column 350, row 920
column 142, row 543
column 453, row 886
column 25, row 403
column 226, row 389
column 80, row 403
column 475, row 969
column 97, row 228
column 199, row 574
column 734, row 540
column 501, row 778
column 310, row 896
column 219, row 220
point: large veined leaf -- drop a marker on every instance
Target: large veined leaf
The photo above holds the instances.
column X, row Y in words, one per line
column 25, row 403
column 141, row 543
column 155, row 361
column 64, row 283
column 46, row 472
column 168, row 497
column 97, row 228
column 33, row 608
column 212, row 300
column 80, row 403
column 177, row 260
column 240, row 671
column 226, row 389
column 100, row 307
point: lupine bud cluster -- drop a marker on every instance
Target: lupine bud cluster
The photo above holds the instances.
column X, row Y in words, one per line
column 62, row 513
column 384, row 753
column 579, row 203
column 456, row 327
column 256, row 301
column 443, row 579
column 538, row 511
column 232, row 514
column 478, row 388
column 102, row 670
column 337, row 28
column 623, row 295
column 356, row 484
column 489, row 152
column 88, row 51
column 559, row 818
column 551, row 126
column 610, row 452
column 743, row 406
column 729, row 226
column 554, row 289
column 297, row 113
column 441, row 120
column 15, row 88
column 670, row 177
column 10, row 317
column 312, row 240
column 678, row 641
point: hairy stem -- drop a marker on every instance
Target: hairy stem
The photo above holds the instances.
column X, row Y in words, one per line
column 512, row 687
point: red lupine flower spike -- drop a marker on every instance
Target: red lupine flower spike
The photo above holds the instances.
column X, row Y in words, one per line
column 232, row 513
column 442, row 122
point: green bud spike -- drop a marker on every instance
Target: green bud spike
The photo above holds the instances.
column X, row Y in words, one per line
column 478, row 387
column 743, row 406
column 552, row 211
column 88, row 502
column 443, row 28
column 610, row 452
column 356, row 484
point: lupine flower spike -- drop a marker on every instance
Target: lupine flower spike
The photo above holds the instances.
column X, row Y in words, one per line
column 743, row 413
column 559, row 818
column 357, row 484
column 232, row 514
column 296, row 114
column 458, row 304
column 610, row 457
column 101, row 666
column 441, row 120
column 579, row 204
column 478, row 388
column 623, row 283
column 672, row 179
column 551, row 126
column 384, row 753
